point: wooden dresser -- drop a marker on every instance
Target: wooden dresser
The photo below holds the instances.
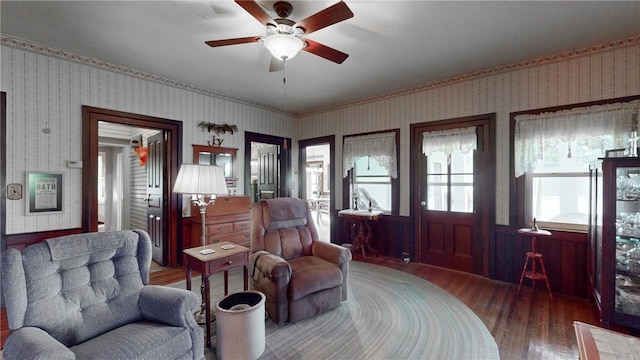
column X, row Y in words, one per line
column 228, row 219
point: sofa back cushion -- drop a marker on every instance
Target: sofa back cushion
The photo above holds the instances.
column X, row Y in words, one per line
column 78, row 286
column 284, row 227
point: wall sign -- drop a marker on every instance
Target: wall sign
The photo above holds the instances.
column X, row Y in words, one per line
column 44, row 193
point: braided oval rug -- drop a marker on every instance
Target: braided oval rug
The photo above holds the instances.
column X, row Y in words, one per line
column 389, row 315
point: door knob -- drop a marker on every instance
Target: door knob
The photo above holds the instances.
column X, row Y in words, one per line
column 423, row 203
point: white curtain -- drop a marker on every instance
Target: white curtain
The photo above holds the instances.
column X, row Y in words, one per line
column 448, row 141
column 381, row 147
column 534, row 133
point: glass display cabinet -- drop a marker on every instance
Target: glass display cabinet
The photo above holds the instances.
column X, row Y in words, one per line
column 614, row 236
column 221, row 156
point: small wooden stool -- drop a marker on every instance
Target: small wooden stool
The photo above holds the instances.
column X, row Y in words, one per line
column 532, row 256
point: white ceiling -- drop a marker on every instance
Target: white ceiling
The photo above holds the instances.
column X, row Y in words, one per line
column 393, row 45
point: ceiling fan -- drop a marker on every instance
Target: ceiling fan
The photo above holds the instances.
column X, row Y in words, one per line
column 285, row 37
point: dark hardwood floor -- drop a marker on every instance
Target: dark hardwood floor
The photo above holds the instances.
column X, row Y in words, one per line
column 528, row 326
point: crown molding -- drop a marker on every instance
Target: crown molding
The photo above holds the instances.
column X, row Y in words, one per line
column 16, row 42
column 28, row 45
column 586, row 51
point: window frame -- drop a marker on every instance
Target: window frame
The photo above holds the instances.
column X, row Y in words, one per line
column 517, row 186
column 395, row 183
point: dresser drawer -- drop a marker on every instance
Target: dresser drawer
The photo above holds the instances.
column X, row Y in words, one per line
column 229, row 262
column 238, row 238
column 215, row 229
column 241, row 225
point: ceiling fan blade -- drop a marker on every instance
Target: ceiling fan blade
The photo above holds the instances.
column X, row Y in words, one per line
column 225, row 42
column 276, row 65
column 256, row 11
column 329, row 16
column 324, row 51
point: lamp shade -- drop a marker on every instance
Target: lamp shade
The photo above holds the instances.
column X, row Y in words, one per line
column 200, row 180
column 282, row 46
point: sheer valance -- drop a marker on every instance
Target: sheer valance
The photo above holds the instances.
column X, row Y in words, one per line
column 534, row 133
column 381, row 147
column 448, row 141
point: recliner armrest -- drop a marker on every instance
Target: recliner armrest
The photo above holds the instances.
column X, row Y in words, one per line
column 270, row 265
column 34, row 343
column 168, row 305
column 331, row 252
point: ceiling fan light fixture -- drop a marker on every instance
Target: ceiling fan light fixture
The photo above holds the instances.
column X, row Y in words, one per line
column 283, row 47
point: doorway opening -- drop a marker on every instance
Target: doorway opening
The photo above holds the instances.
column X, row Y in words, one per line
column 108, row 132
column 267, row 166
column 317, row 182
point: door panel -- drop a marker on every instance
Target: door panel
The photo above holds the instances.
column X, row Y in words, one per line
column 268, row 172
column 156, row 197
column 450, row 228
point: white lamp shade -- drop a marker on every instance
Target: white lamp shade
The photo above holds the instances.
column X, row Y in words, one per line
column 200, row 180
column 283, row 47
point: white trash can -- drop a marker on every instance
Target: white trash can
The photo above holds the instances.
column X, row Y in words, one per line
column 240, row 326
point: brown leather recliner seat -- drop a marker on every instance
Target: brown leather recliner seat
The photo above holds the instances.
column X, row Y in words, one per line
column 300, row 275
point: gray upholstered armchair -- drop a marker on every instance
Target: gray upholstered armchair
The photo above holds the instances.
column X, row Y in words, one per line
column 86, row 296
column 299, row 275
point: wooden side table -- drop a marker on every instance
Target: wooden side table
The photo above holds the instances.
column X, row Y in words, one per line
column 361, row 218
column 532, row 256
column 220, row 260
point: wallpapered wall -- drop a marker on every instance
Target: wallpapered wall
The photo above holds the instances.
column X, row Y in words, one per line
column 599, row 72
column 47, row 92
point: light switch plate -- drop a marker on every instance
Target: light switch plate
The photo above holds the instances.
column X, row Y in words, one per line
column 14, row 191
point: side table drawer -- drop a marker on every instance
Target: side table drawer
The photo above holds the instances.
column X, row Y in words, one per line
column 229, row 262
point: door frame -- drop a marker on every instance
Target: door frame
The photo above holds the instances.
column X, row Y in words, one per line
column 488, row 168
column 302, row 174
column 284, row 159
column 90, row 118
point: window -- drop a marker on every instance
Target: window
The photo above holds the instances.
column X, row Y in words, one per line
column 450, row 168
column 450, row 182
column 370, row 165
column 372, row 184
column 553, row 152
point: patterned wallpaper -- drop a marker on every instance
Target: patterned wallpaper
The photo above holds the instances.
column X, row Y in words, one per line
column 599, row 72
column 46, row 90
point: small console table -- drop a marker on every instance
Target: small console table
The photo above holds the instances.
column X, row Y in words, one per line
column 220, row 260
column 361, row 219
column 532, row 256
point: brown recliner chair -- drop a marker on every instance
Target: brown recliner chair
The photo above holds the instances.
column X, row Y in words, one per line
column 299, row 275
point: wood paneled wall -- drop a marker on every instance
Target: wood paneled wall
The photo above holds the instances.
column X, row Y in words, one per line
column 565, row 253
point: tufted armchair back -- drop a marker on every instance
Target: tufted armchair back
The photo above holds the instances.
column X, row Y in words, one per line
column 284, row 227
column 79, row 286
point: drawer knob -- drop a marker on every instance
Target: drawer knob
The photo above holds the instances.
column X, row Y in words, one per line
column 229, row 262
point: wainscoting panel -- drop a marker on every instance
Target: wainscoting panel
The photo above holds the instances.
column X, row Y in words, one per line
column 565, row 258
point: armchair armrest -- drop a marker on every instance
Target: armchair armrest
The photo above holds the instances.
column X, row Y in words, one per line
column 331, row 252
column 168, row 305
column 270, row 265
column 34, row 343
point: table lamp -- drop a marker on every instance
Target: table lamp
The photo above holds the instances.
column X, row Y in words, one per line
column 200, row 181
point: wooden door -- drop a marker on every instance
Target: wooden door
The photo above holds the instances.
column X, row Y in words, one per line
column 453, row 206
column 268, row 170
column 157, row 196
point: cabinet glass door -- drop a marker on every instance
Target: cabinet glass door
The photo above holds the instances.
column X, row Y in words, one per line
column 627, row 282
